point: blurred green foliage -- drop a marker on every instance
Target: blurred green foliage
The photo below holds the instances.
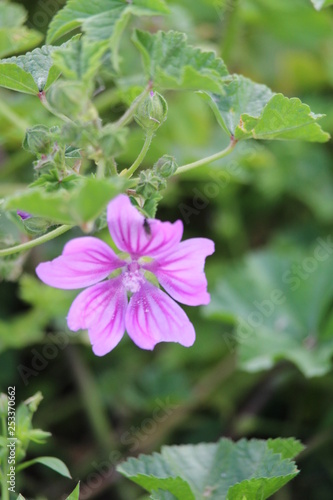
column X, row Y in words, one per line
column 266, row 201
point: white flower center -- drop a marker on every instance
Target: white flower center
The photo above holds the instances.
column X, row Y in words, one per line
column 133, row 278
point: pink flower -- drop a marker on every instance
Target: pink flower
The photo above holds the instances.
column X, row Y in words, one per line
column 151, row 247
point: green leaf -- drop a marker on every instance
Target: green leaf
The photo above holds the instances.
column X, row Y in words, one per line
column 287, row 447
column 80, row 60
column 102, row 20
column 13, row 36
column 50, row 462
column 320, row 4
column 173, row 64
column 222, row 471
column 279, row 303
column 248, row 110
column 30, row 73
column 80, row 205
column 75, row 493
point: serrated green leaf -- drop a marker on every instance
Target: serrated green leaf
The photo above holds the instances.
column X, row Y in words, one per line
column 50, row 462
column 277, row 314
column 248, row 110
column 103, row 20
column 80, row 60
column 320, row 4
column 75, row 493
column 241, row 96
column 76, row 206
column 173, row 64
column 287, row 447
column 220, row 471
column 29, row 73
column 262, row 488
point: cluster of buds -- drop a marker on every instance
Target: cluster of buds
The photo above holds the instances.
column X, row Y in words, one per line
column 154, row 180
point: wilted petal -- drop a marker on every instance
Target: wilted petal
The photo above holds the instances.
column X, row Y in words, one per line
column 100, row 309
column 154, row 317
column 132, row 234
column 181, row 272
column 84, row 261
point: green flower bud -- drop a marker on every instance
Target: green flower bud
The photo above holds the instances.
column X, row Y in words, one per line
column 152, row 112
column 36, row 225
column 38, row 139
column 149, row 183
column 165, row 166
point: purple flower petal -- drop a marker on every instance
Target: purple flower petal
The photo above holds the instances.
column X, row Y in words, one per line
column 100, row 309
column 181, row 272
column 154, row 317
column 23, row 215
column 84, row 262
column 132, row 234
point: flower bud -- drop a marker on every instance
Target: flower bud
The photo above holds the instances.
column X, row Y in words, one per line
column 36, row 225
column 152, row 112
column 165, row 166
column 38, row 140
column 149, row 183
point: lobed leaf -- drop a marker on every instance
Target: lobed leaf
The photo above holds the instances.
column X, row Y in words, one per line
column 76, row 206
column 103, row 20
column 173, row 64
column 225, row 470
column 29, row 73
column 248, row 110
column 277, row 314
column 80, row 60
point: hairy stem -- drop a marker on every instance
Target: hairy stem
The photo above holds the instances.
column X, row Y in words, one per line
column 128, row 173
column 208, row 159
column 46, row 104
column 37, row 241
column 100, row 171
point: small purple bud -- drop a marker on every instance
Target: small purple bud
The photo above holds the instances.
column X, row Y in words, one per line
column 151, row 93
column 23, row 215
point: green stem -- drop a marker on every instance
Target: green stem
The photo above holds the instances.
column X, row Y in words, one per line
column 128, row 115
column 128, row 173
column 37, row 241
column 46, row 104
column 100, row 172
column 208, row 159
column 113, row 166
